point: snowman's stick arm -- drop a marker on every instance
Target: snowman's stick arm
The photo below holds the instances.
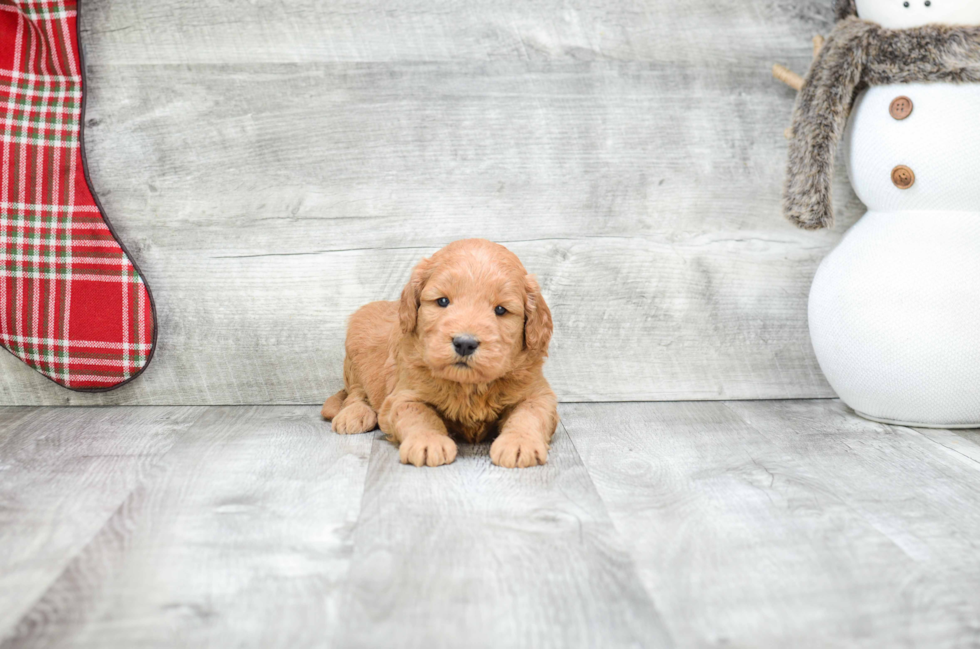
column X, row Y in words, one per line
column 818, row 43
column 790, row 78
column 787, row 76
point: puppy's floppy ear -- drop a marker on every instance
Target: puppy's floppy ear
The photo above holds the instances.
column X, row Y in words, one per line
column 537, row 318
column 408, row 309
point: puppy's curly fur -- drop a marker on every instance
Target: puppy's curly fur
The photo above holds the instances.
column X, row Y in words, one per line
column 859, row 54
column 403, row 372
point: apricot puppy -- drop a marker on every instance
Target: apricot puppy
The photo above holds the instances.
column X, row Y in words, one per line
column 460, row 355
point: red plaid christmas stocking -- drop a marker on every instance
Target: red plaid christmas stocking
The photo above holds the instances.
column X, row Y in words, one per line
column 72, row 304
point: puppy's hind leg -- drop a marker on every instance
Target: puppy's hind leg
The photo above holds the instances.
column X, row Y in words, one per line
column 356, row 415
column 333, row 405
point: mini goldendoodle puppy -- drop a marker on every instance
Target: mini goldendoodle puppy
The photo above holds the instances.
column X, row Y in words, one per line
column 460, row 355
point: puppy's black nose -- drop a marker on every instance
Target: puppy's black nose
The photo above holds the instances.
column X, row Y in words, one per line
column 465, row 344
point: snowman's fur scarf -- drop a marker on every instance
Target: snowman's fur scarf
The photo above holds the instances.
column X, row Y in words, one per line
column 846, row 8
column 859, row 54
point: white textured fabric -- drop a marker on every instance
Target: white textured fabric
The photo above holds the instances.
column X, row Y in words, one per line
column 895, row 317
column 939, row 141
column 893, row 14
column 895, row 308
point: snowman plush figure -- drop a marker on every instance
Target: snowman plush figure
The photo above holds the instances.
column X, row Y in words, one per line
column 894, row 310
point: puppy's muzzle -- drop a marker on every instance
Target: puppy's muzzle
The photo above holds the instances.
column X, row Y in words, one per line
column 465, row 344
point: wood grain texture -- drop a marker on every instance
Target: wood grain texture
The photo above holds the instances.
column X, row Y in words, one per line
column 63, row 474
column 188, row 32
column 774, row 524
column 241, row 538
column 964, row 442
column 275, row 165
column 746, row 524
column 473, row 555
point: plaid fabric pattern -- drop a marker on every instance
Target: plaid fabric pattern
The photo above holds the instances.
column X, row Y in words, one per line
column 72, row 305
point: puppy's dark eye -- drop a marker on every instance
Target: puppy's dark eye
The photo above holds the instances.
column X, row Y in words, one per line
column 500, row 310
column 906, row 5
column 443, row 302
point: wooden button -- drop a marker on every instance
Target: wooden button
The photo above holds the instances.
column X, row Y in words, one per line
column 901, row 108
column 903, row 177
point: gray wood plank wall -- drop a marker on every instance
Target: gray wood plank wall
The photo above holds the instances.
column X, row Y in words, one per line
column 273, row 165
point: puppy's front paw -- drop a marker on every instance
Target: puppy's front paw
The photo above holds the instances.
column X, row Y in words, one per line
column 355, row 419
column 333, row 405
column 518, row 452
column 427, row 449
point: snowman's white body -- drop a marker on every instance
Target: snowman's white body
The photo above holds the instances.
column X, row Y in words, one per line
column 895, row 308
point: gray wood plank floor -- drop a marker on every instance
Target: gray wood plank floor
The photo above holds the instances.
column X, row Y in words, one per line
column 744, row 524
column 274, row 165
